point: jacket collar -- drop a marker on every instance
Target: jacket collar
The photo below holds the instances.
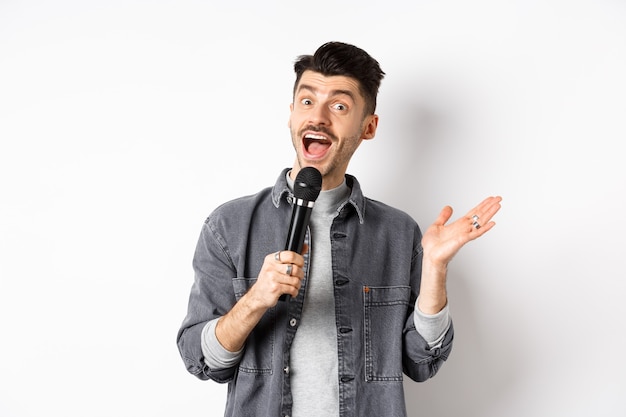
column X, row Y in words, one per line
column 282, row 192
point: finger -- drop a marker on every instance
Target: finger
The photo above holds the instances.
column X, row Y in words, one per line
column 485, row 210
column 292, row 288
column 293, row 270
column 290, row 284
column 289, row 257
column 277, row 281
column 490, row 204
column 476, row 233
column 484, row 205
column 444, row 216
column 494, row 207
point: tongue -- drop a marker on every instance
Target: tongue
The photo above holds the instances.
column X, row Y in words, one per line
column 317, row 148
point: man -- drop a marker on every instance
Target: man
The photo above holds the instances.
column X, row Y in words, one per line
column 354, row 323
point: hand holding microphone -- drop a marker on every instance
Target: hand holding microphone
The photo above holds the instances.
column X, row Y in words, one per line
column 282, row 271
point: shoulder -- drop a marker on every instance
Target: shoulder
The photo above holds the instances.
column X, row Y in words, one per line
column 240, row 207
column 374, row 211
column 388, row 214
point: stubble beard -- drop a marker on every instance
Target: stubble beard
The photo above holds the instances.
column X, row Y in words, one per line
column 339, row 160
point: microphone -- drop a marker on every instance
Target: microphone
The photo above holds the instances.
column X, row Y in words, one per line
column 306, row 189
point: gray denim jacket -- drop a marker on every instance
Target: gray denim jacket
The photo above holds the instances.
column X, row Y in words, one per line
column 376, row 263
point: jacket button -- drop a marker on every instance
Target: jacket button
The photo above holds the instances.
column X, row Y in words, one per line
column 286, row 370
column 341, row 282
column 293, row 322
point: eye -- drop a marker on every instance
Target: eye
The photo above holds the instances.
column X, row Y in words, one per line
column 340, row 107
column 306, row 101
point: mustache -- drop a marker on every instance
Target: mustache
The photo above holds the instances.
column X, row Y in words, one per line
column 318, row 129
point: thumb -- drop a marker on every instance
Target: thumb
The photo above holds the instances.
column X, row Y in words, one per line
column 444, row 216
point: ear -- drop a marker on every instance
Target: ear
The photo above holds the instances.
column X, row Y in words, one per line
column 370, row 124
column 290, row 111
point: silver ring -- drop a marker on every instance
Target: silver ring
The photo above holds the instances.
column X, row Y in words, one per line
column 289, row 269
column 475, row 218
column 476, row 225
column 277, row 256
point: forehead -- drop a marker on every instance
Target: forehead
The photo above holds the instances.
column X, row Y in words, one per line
column 332, row 85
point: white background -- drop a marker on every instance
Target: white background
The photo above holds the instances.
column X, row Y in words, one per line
column 124, row 123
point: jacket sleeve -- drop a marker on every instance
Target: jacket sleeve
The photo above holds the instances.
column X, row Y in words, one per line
column 211, row 297
column 421, row 362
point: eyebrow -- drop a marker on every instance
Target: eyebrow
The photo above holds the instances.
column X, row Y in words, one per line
column 333, row 93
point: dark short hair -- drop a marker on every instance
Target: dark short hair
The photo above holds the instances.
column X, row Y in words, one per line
column 337, row 58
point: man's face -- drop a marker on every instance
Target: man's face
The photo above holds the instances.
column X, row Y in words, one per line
column 327, row 124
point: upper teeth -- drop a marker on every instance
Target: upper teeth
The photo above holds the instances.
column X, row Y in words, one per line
column 312, row 136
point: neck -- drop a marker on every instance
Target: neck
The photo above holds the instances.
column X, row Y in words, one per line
column 329, row 182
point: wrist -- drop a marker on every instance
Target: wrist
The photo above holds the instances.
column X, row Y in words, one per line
column 433, row 293
column 437, row 266
column 432, row 302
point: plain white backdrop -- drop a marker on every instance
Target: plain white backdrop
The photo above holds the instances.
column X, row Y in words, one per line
column 124, row 123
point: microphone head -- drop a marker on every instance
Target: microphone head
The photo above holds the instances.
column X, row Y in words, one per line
column 308, row 184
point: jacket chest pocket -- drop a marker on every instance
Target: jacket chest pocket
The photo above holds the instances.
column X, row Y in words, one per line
column 385, row 312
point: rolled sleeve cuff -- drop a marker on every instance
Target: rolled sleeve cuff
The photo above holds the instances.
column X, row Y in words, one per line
column 432, row 327
column 215, row 355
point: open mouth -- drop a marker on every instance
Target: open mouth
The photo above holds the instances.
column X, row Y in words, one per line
column 316, row 145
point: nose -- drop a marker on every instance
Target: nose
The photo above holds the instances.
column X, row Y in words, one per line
column 319, row 115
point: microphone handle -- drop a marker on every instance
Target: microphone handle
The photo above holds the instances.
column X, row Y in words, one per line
column 297, row 230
